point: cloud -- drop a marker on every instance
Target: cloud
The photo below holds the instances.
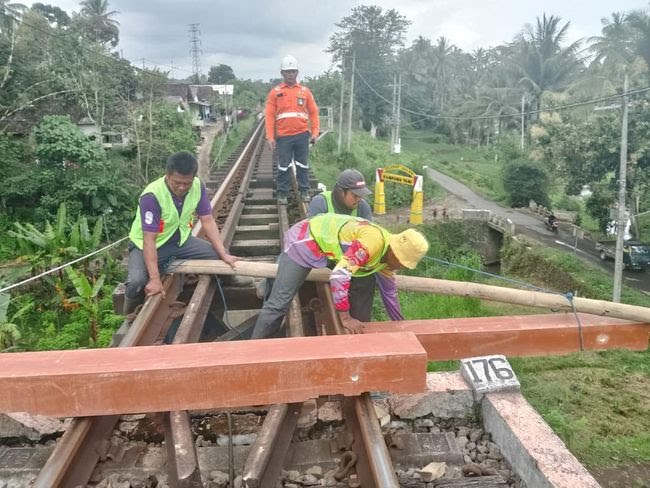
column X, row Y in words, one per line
column 252, row 35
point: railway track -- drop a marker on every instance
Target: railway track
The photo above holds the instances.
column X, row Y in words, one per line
column 252, row 225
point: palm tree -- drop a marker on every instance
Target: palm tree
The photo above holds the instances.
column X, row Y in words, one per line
column 615, row 53
column 615, row 48
column 639, row 20
column 97, row 20
column 542, row 62
column 442, row 55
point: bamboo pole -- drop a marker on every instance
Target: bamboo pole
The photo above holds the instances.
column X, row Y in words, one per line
column 441, row 287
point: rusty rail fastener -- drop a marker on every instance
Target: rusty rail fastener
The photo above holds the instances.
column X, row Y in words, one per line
column 347, row 462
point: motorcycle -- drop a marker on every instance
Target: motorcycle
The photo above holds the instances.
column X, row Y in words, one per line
column 551, row 225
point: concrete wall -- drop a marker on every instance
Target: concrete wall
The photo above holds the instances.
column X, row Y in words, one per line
column 485, row 240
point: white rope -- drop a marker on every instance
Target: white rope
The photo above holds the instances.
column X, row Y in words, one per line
column 50, row 271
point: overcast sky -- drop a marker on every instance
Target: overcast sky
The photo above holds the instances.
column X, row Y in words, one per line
column 252, row 35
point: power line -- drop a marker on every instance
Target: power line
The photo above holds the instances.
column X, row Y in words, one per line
column 81, row 47
column 517, row 114
column 53, row 270
column 172, row 67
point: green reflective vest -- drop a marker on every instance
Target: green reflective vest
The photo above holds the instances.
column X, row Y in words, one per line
column 169, row 218
column 330, row 204
column 325, row 229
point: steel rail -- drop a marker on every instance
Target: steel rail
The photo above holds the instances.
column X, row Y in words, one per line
column 182, row 459
column 266, row 458
column 86, row 440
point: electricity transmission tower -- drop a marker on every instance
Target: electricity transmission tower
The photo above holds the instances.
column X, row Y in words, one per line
column 195, row 51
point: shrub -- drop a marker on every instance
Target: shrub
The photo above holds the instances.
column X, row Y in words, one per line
column 524, row 182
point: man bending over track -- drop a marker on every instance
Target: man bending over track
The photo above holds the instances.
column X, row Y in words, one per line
column 358, row 247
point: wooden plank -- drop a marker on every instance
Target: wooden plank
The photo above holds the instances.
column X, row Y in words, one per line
column 256, row 243
column 202, row 376
column 519, row 335
column 442, row 287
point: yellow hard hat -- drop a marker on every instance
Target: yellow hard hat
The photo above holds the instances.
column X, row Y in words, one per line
column 409, row 247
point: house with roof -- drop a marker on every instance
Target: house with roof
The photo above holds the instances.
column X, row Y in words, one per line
column 109, row 139
column 202, row 102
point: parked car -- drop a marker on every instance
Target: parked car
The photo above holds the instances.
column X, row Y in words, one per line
column 635, row 254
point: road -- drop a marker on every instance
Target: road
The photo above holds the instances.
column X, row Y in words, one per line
column 208, row 134
column 533, row 225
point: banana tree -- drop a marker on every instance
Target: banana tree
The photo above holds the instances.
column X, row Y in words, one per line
column 88, row 297
column 9, row 333
column 55, row 245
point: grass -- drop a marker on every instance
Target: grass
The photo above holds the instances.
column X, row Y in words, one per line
column 476, row 168
column 230, row 141
column 597, row 402
column 366, row 155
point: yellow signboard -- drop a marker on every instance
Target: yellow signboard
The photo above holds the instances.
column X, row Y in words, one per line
column 384, row 174
column 407, row 180
column 399, row 167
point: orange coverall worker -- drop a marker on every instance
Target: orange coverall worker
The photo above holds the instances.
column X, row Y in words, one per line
column 291, row 121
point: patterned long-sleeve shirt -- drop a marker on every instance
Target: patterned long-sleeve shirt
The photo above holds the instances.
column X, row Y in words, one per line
column 360, row 242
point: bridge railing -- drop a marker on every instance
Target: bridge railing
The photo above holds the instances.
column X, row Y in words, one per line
column 501, row 224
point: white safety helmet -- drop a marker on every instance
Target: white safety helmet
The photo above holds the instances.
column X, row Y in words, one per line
column 289, row 62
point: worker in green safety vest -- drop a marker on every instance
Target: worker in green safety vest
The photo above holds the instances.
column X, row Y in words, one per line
column 162, row 229
column 347, row 198
column 357, row 247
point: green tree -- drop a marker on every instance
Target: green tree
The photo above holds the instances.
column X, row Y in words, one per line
column 27, row 79
column 639, row 20
column 373, row 37
column 54, row 15
column 72, row 169
column 524, row 182
column 326, row 88
column 221, row 74
column 9, row 332
column 96, row 21
column 9, row 12
column 542, row 62
column 598, row 204
column 614, row 49
column 161, row 131
column 581, row 152
column 57, row 243
column 250, row 94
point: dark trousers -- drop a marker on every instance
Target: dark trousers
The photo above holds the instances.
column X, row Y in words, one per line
column 138, row 277
column 362, row 292
column 293, row 148
column 288, row 281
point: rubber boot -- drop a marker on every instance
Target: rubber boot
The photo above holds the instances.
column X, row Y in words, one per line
column 130, row 304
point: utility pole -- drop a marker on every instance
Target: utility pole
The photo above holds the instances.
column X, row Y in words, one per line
column 338, row 147
column 398, row 144
column 620, row 226
column 172, row 65
column 354, row 59
column 195, row 51
column 143, row 68
column 393, row 117
column 523, row 101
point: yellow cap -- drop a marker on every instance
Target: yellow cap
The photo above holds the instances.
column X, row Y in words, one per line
column 409, row 247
